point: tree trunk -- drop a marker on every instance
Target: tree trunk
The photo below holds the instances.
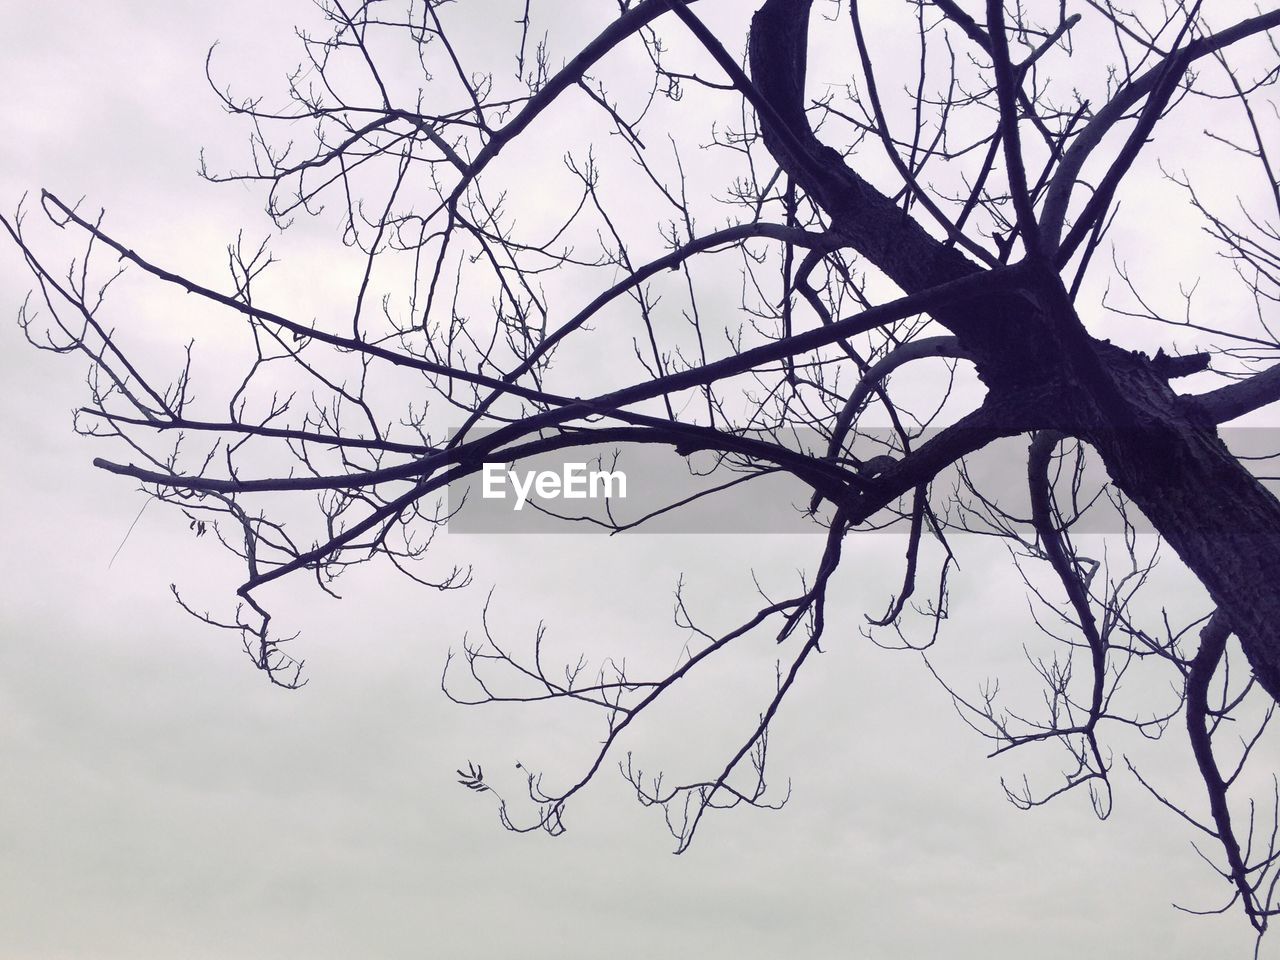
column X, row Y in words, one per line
column 1223, row 523
column 1158, row 449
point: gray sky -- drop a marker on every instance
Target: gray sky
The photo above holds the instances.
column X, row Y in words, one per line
column 160, row 799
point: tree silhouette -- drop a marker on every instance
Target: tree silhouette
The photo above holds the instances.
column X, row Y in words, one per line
column 938, row 192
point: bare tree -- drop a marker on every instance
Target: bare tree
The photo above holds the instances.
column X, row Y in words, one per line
column 938, row 191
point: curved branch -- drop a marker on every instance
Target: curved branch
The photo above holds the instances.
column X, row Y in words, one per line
column 1054, row 212
column 1213, row 642
column 875, row 374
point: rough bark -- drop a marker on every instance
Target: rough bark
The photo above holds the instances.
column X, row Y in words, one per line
column 1222, row 522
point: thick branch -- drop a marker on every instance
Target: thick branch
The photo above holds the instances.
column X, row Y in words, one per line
column 1237, row 399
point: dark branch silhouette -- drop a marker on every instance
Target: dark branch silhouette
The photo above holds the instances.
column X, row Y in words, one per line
column 946, row 212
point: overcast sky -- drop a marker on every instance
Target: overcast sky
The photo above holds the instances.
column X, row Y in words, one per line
column 160, row 799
